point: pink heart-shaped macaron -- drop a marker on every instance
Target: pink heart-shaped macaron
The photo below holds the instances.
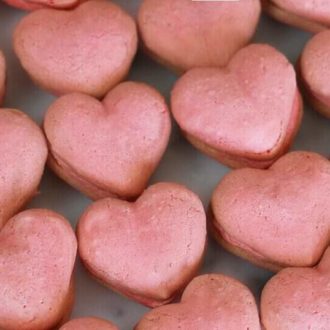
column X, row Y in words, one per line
column 147, row 250
column 298, row 298
column 37, row 255
column 38, row 4
column 186, row 34
column 108, row 148
column 313, row 16
column 88, row 49
column 88, row 323
column 278, row 217
column 210, row 302
column 2, row 76
column 246, row 114
column 314, row 69
column 23, row 153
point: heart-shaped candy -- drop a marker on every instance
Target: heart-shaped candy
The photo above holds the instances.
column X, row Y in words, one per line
column 108, row 148
column 186, row 34
column 246, row 114
column 314, row 72
column 37, row 255
column 278, row 217
column 2, row 76
column 23, row 153
column 212, row 301
column 298, row 298
column 313, row 16
column 88, row 323
column 147, row 250
column 38, row 4
column 88, row 49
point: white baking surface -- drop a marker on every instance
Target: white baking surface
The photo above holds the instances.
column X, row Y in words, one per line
column 181, row 163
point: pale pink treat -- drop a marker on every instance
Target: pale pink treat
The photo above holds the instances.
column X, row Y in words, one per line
column 88, row 49
column 38, row 4
column 147, row 250
column 298, row 298
column 2, row 77
column 88, row 323
column 23, row 153
column 246, row 114
column 109, row 148
column 185, row 34
column 37, row 254
column 278, row 217
column 310, row 15
column 314, row 66
column 212, row 301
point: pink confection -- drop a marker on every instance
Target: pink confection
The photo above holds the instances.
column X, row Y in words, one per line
column 310, row 15
column 246, row 114
column 23, row 153
column 210, row 302
column 88, row 49
column 278, row 217
column 88, row 323
column 109, row 148
column 37, row 255
column 315, row 71
column 2, row 77
column 38, row 4
column 148, row 250
column 298, row 298
column 185, row 34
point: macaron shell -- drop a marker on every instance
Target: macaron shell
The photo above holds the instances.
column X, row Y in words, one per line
column 38, row 4
column 278, row 217
column 219, row 30
column 109, row 148
column 147, row 250
column 2, row 77
column 88, row 49
column 209, row 302
column 37, row 255
column 23, row 152
column 208, row 103
column 298, row 298
column 88, row 323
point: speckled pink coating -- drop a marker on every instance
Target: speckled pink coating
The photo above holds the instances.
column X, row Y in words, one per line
column 88, row 323
column 247, row 110
column 108, row 148
column 37, row 255
column 23, row 153
column 38, row 4
column 2, row 76
column 278, row 217
column 88, row 49
column 185, row 34
column 211, row 301
column 298, row 298
column 147, row 250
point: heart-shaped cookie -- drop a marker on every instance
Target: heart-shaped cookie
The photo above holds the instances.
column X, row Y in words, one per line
column 88, row 49
column 246, row 114
column 23, row 153
column 314, row 69
column 313, row 16
column 211, row 301
column 2, row 76
column 147, row 250
column 278, row 217
column 88, row 323
column 298, row 298
column 186, row 34
column 108, row 148
column 37, row 255
column 38, row 4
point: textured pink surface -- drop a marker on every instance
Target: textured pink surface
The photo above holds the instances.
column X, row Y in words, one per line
column 247, row 109
column 298, row 298
column 88, row 49
column 147, row 250
column 88, row 323
column 37, row 255
column 108, row 148
column 214, row 302
column 23, row 153
column 38, row 4
column 2, row 77
column 279, row 216
column 186, row 34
